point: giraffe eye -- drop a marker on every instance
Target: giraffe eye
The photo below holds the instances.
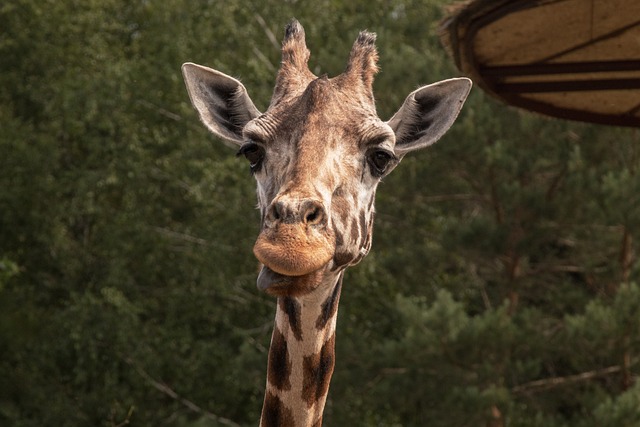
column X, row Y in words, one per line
column 254, row 154
column 379, row 161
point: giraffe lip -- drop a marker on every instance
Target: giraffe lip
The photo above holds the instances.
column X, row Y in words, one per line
column 268, row 279
column 277, row 284
column 293, row 249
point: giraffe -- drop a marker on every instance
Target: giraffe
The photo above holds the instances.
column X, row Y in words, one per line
column 317, row 155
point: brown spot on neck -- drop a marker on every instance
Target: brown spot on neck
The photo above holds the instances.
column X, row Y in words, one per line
column 330, row 305
column 279, row 364
column 317, row 371
column 275, row 413
column 292, row 309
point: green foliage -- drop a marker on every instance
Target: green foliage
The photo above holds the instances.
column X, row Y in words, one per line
column 620, row 411
column 501, row 289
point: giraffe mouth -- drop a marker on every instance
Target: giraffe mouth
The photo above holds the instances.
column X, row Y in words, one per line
column 294, row 249
column 277, row 284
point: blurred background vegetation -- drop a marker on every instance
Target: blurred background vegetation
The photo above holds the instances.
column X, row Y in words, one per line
column 502, row 285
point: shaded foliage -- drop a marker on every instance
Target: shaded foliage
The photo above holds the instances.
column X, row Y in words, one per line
column 501, row 289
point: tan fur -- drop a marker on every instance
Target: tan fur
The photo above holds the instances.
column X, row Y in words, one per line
column 275, row 246
column 310, row 355
column 315, row 154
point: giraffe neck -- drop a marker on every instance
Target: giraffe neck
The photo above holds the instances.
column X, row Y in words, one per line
column 301, row 358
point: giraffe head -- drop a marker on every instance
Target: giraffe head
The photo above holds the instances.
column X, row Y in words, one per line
column 318, row 154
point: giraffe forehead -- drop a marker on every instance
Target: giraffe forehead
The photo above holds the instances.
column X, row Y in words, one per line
column 328, row 110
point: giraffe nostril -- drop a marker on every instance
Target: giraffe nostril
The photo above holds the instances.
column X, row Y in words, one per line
column 313, row 213
column 308, row 212
column 276, row 212
column 312, row 216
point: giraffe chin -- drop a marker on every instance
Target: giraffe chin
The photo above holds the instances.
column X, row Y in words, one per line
column 280, row 285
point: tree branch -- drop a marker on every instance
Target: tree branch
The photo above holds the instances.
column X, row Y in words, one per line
column 163, row 112
column 165, row 389
column 549, row 383
column 262, row 57
column 267, row 31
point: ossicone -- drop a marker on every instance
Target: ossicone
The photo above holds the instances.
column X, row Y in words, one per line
column 363, row 60
column 294, row 74
column 294, row 48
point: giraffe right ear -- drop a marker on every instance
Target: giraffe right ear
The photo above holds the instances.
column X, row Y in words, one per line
column 222, row 101
column 427, row 114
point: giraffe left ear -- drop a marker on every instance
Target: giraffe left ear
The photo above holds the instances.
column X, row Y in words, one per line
column 428, row 113
column 222, row 101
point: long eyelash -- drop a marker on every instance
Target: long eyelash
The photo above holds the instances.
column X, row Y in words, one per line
column 243, row 148
column 253, row 171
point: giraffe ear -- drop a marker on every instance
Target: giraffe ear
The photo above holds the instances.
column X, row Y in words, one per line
column 428, row 113
column 222, row 101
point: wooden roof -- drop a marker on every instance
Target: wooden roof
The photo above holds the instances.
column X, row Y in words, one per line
column 574, row 59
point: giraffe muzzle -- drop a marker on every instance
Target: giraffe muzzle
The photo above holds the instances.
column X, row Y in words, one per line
column 294, row 249
column 295, row 239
